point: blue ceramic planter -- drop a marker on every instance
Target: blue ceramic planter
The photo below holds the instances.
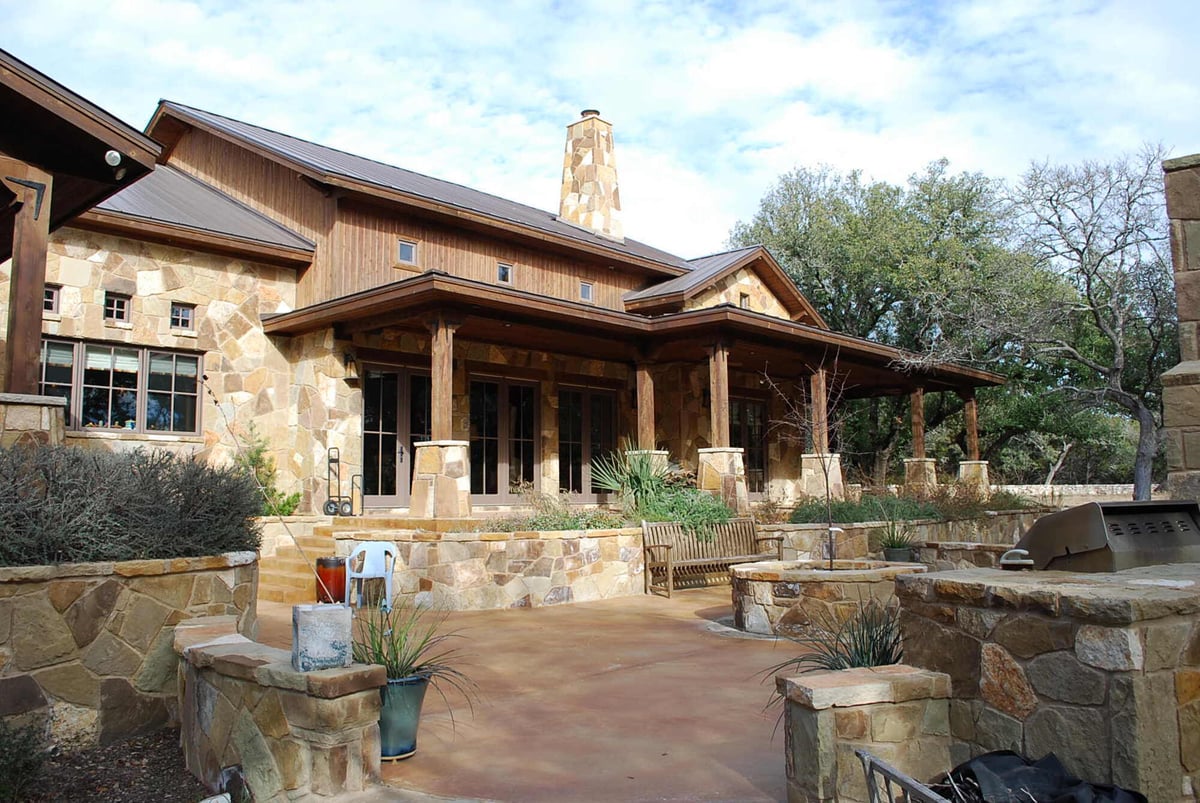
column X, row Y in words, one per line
column 400, row 715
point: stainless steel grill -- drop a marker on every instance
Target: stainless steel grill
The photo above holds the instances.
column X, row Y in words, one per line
column 1110, row 536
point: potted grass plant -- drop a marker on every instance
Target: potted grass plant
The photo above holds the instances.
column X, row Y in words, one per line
column 410, row 643
column 896, row 538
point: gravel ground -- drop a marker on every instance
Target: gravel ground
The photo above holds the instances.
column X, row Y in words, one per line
column 144, row 769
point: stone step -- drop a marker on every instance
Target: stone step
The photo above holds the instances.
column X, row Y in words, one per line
column 286, row 594
column 376, row 522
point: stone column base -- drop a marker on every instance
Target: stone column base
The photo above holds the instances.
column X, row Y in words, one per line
column 974, row 473
column 722, row 472
column 31, row 420
column 1181, row 393
column 660, row 459
column 920, row 475
column 812, row 476
column 441, row 486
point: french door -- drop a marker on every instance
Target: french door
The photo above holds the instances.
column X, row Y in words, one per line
column 395, row 416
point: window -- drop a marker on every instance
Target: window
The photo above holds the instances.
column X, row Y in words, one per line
column 406, row 252
column 116, row 307
column 744, row 301
column 183, row 316
column 585, row 291
column 587, row 429
column 748, row 431
column 50, row 298
column 504, row 437
column 504, row 273
column 123, row 387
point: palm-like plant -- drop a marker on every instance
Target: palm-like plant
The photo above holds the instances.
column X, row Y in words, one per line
column 637, row 476
column 408, row 642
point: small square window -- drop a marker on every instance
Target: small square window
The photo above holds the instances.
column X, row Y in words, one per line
column 744, row 301
column 406, row 252
column 183, row 316
column 50, row 298
column 504, row 273
column 116, row 307
column 585, row 291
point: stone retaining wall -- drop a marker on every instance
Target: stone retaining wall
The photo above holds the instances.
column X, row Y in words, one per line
column 295, row 735
column 1101, row 669
column 31, row 420
column 949, row 555
column 483, row 571
column 87, row 646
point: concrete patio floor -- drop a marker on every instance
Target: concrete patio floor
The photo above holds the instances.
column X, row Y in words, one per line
column 633, row 699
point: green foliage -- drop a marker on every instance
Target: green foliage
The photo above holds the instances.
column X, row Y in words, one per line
column 407, row 641
column 696, row 510
column 23, row 751
column 254, row 459
column 71, row 505
column 895, row 535
column 868, row 637
column 869, row 508
column 553, row 512
column 636, row 476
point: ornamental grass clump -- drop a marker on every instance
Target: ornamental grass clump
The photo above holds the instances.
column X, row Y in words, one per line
column 870, row 636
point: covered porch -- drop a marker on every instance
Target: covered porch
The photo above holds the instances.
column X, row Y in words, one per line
column 470, row 392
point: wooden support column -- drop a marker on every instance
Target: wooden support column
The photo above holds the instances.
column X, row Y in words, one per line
column 818, row 391
column 645, row 407
column 917, row 402
column 441, row 382
column 31, row 231
column 718, row 393
column 971, row 420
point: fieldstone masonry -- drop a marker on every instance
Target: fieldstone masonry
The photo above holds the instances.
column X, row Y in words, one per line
column 899, row 713
column 1181, row 384
column 30, row 420
column 296, row 735
column 1101, row 669
column 722, row 473
column 441, row 487
column 87, row 646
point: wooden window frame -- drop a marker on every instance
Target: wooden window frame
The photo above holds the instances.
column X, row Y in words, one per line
column 504, row 439
column 189, row 320
column 503, row 268
column 75, row 390
column 416, row 251
column 118, row 307
column 587, row 292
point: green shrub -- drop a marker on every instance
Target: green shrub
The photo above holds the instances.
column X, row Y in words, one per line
column 696, row 510
column 869, row 508
column 869, row 637
column 553, row 512
column 636, row 476
column 255, row 460
column 71, row 505
column 23, row 750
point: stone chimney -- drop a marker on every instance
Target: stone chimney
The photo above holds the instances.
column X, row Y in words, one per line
column 589, row 189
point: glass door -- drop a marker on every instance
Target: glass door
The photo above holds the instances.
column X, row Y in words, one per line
column 395, row 416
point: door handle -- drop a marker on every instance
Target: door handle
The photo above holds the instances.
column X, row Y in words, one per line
column 399, row 452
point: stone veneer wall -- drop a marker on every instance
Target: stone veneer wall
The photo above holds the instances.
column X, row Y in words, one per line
column 88, row 645
column 899, row 714
column 1181, row 384
column 30, row 420
column 730, row 289
column 484, row 571
column 1101, row 669
column 295, row 735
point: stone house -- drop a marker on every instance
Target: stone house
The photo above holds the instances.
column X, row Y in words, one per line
column 453, row 346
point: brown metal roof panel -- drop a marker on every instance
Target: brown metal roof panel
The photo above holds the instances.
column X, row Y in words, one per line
column 323, row 160
column 171, row 196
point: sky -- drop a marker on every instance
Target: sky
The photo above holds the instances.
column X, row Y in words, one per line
column 710, row 101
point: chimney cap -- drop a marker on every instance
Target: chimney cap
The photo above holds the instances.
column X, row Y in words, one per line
column 589, row 113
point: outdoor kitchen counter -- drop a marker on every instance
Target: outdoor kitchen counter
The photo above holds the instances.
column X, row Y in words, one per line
column 1101, row 669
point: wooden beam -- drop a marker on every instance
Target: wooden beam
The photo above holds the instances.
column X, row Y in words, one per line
column 818, row 391
column 971, row 420
column 441, row 381
column 31, row 232
column 917, row 402
column 718, row 393
column 645, row 407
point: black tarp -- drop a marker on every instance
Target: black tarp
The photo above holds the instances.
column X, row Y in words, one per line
column 1007, row 777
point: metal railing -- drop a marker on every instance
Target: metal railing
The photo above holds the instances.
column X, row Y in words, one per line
column 884, row 779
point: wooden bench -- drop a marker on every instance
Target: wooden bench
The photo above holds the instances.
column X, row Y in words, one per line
column 671, row 550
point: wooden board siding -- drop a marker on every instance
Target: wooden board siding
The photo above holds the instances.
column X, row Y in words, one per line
column 269, row 187
column 367, row 236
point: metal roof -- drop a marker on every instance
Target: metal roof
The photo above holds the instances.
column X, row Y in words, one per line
column 322, row 160
column 703, row 269
column 169, row 195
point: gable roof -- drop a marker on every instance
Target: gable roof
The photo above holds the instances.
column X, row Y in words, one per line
column 338, row 168
column 708, row 270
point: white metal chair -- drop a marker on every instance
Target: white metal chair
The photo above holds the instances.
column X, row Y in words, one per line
column 378, row 560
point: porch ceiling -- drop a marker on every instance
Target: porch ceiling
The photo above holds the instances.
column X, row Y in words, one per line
column 758, row 343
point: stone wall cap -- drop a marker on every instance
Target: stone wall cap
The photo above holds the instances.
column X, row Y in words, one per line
column 1185, row 373
column 864, row 686
column 721, row 450
column 32, row 398
column 418, row 444
column 1181, row 162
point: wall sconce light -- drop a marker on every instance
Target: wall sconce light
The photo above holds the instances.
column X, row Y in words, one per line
column 350, row 364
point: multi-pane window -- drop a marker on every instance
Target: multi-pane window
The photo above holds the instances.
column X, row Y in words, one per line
column 406, row 252
column 183, row 316
column 587, row 429
column 50, row 296
column 116, row 307
column 503, row 437
column 123, row 387
column 748, row 431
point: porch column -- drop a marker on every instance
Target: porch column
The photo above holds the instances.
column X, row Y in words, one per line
column 920, row 474
column 820, row 470
column 31, row 231
column 972, row 471
column 645, row 407
column 441, row 486
column 722, row 469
